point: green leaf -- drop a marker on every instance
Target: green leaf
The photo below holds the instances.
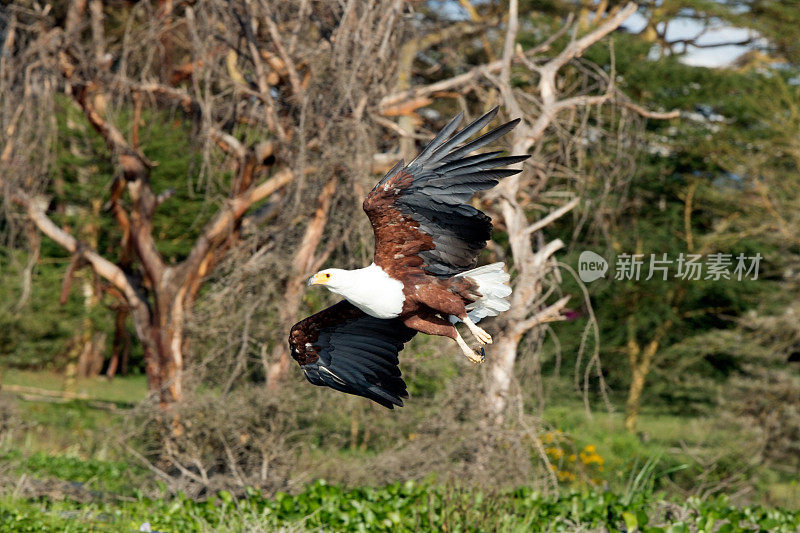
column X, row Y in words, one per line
column 631, row 523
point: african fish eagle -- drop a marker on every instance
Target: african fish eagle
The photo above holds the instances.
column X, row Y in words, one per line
column 427, row 240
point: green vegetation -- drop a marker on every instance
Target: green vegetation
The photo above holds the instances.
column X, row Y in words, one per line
column 125, row 391
column 399, row 507
column 84, row 479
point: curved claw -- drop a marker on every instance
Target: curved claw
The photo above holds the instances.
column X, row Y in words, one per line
column 470, row 354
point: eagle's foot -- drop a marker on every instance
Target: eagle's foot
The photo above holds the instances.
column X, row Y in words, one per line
column 475, row 357
column 479, row 333
column 470, row 354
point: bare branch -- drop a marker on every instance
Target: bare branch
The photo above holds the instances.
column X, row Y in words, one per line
column 469, row 76
column 225, row 219
column 294, row 79
column 552, row 217
column 409, row 53
column 656, row 115
column 551, row 313
column 75, row 263
column 264, row 89
column 136, row 168
column 444, row 85
column 304, row 258
column 386, row 123
column 74, row 15
column 577, row 47
column 27, row 273
column 134, row 163
column 101, row 265
column 228, row 143
column 164, row 196
column 98, row 33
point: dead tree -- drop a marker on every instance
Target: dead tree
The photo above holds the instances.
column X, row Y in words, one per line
column 334, row 141
column 157, row 294
column 528, row 309
column 542, row 103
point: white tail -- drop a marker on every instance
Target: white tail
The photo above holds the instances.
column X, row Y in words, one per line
column 493, row 285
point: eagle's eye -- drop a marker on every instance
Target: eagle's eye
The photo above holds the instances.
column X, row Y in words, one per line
column 327, row 276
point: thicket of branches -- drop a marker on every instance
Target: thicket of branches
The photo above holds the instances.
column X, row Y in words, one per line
column 292, row 110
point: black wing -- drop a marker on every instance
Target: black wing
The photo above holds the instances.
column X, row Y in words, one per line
column 344, row 348
column 444, row 232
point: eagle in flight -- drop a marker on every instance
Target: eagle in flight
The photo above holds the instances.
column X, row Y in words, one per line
column 423, row 277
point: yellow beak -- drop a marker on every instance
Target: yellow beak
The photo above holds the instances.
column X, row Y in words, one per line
column 318, row 279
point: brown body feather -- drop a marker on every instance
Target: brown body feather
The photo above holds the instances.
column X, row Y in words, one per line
column 398, row 242
column 398, row 239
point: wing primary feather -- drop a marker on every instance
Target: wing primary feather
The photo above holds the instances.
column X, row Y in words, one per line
column 428, row 202
column 483, row 140
column 474, row 127
column 467, row 161
column 481, row 165
column 439, row 139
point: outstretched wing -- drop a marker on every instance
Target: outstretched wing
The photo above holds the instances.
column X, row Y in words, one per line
column 419, row 212
column 344, row 348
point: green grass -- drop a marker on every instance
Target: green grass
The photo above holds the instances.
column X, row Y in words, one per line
column 129, row 389
column 682, row 449
column 398, row 507
column 90, row 474
column 70, row 429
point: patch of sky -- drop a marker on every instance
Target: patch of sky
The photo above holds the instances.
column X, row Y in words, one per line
column 448, row 10
column 716, row 32
column 681, row 27
column 452, row 9
column 728, row 180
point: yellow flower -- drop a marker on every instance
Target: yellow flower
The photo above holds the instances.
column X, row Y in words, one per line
column 555, row 453
column 564, row 475
column 591, row 458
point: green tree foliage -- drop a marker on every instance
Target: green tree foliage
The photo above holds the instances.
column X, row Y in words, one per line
column 36, row 335
column 722, row 178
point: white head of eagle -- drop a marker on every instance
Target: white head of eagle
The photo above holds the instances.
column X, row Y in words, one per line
column 370, row 289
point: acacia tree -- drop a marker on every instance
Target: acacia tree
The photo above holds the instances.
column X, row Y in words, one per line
column 701, row 215
column 43, row 59
column 248, row 82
